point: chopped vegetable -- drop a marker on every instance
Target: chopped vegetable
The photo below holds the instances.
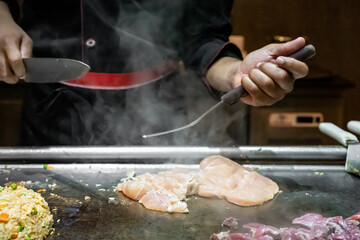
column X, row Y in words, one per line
column 2, row 205
column 41, row 190
column 14, row 186
column 35, row 212
column 21, row 228
column 4, row 217
column 14, row 236
column 23, row 194
column 48, row 167
column 28, row 238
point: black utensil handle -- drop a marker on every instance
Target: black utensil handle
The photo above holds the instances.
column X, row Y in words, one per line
column 235, row 94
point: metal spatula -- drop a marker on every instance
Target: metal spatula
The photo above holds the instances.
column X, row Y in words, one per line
column 234, row 95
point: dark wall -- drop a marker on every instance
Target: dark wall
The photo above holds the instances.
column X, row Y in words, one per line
column 332, row 26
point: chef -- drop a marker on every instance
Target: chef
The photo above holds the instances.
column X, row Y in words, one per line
column 135, row 50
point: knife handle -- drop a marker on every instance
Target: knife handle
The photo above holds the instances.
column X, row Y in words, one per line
column 354, row 126
column 337, row 133
column 235, row 94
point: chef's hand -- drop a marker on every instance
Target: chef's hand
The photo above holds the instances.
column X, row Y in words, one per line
column 15, row 45
column 266, row 74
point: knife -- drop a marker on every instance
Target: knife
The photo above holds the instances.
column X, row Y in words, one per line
column 235, row 94
column 49, row 70
column 349, row 140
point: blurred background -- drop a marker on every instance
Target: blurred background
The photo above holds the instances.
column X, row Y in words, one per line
column 330, row 92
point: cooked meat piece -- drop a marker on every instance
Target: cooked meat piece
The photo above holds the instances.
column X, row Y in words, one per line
column 355, row 217
column 230, row 222
column 231, row 236
column 220, row 236
column 312, row 226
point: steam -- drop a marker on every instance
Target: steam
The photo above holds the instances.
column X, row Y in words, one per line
column 118, row 117
column 166, row 104
column 169, row 103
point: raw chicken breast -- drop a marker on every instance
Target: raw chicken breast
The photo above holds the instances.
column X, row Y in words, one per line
column 164, row 201
column 218, row 176
column 222, row 177
column 163, row 191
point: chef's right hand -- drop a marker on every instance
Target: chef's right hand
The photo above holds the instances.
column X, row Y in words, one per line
column 15, row 45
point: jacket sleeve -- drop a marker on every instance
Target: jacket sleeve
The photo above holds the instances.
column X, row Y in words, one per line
column 206, row 35
column 14, row 8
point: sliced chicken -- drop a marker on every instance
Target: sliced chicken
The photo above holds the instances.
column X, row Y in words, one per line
column 164, row 191
column 224, row 178
column 164, row 201
column 218, row 176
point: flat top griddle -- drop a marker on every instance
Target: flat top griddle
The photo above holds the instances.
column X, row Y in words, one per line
column 327, row 190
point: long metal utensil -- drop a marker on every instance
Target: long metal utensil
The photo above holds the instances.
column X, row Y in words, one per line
column 235, row 94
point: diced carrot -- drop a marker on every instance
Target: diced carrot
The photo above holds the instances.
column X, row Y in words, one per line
column 41, row 190
column 4, row 217
column 2, row 205
column 14, row 236
column 50, row 168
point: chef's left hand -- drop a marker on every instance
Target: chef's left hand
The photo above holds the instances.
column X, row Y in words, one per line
column 266, row 74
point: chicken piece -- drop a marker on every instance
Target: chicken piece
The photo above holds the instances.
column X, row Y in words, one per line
column 164, row 191
column 218, row 176
column 163, row 201
column 222, row 177
column 136, row 189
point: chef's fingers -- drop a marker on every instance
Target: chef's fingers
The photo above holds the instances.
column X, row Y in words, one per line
column 256, row 97
column 6, row 74
column 297, row 68
column 26, row 47
column 280, row 76
column 266, row 84
column 14, row 59
column 285, row 49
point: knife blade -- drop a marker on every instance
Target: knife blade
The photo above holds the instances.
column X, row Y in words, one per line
column 235, row 94
column 349, row 140
column 49, row 70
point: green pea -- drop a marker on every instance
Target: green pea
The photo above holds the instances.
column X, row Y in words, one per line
column 14, row 186
column 35, row 211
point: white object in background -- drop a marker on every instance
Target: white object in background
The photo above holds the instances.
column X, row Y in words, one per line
column 295, row 119
column 354, row 126
column 337, row 133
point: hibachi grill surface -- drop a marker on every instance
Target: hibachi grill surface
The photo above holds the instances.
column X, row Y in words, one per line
column 327, row 190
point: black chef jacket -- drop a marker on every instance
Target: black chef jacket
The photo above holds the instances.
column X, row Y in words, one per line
column 126, row 36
